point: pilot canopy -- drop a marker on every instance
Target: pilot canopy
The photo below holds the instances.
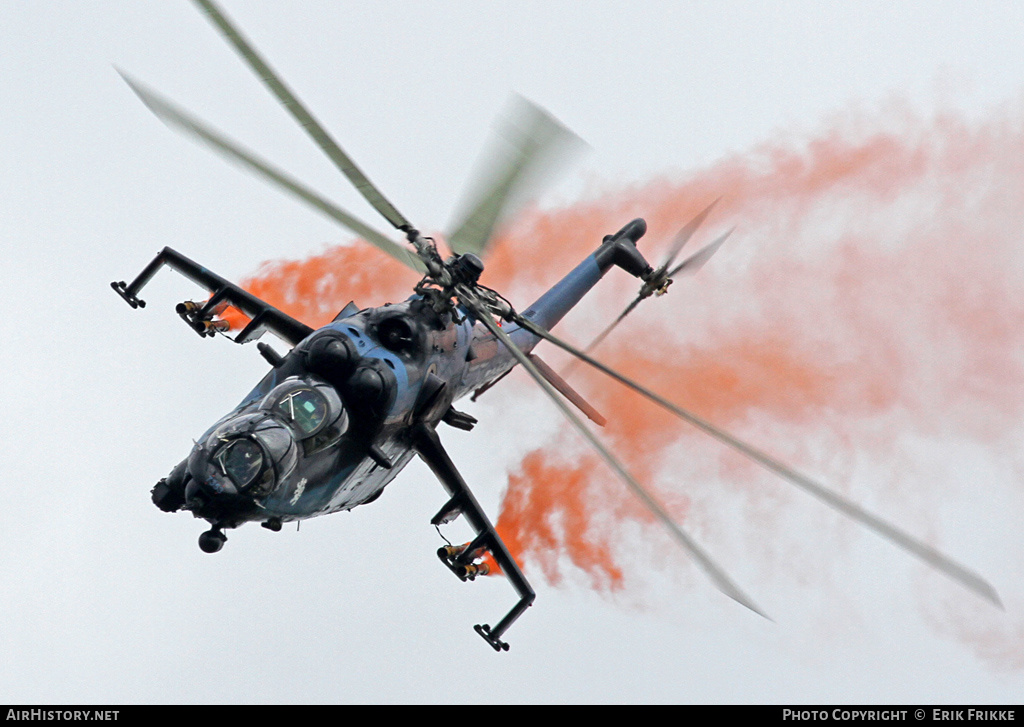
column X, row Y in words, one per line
column 311, row 409
column 256, row 451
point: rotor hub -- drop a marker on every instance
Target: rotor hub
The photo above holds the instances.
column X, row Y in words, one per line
column 466, row 268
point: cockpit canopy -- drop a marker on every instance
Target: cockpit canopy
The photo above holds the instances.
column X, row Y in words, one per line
column 311, row 408
column 257, row 451
column 241, row 460
column 248, row 453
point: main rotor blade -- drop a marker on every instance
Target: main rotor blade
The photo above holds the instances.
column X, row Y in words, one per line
column 178, row 118
column 684, row 235
column 315, row 130
column 529, row 138
column 926, row 553
column 562, row 387
column 710, row 568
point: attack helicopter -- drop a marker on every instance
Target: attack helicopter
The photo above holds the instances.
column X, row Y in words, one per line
column 336, row 419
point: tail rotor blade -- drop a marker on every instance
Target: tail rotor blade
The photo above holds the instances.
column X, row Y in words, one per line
column 926, row 553
column 696, row 261
column 690, row 265
column 299, row 112
column 182, row 121
column 684, row 235
column 662, row 276
column 717, row 576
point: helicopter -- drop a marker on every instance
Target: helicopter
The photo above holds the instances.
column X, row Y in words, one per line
column 339, row 416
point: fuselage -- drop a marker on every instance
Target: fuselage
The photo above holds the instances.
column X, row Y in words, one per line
column 328, row 427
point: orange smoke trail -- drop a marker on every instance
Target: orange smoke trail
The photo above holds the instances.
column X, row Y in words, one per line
column 315, row 289
column 876, row 276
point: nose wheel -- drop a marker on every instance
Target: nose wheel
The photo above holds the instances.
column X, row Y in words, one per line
column 212, row 540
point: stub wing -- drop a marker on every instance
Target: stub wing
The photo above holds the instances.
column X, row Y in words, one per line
column 462, row 559
column 200, row 316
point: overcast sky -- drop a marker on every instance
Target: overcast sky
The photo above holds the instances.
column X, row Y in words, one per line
column 106, row 599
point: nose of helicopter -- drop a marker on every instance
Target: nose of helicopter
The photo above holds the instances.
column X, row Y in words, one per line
column 210, row 493
column 242, row 459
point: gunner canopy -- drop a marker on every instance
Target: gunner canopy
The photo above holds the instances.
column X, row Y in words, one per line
column 250, row 453
column 241, row 460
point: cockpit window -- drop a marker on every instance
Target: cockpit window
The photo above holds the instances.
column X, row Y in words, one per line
column 305, row 409
column 310, row 409
column 241, row 460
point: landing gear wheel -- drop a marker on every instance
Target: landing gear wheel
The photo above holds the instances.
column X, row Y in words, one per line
column 212, row 540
